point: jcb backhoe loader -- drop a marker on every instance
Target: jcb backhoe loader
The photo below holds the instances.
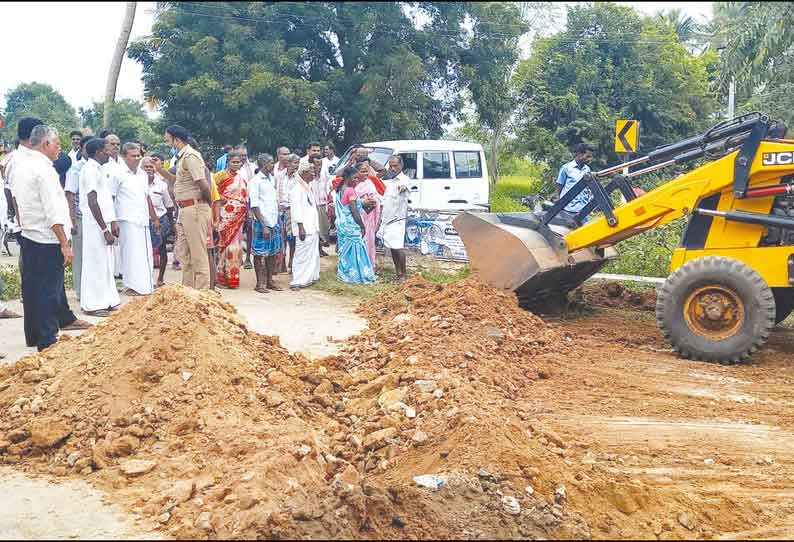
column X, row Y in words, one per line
column 732, row 276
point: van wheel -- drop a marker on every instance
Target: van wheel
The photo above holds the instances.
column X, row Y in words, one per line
column 715, row 309
column 784, row 303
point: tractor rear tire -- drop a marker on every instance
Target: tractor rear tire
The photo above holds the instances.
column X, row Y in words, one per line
column 715, row 309
column 784, row 303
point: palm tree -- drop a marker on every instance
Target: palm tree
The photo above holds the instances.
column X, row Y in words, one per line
column 115, row 64
column 685, row 27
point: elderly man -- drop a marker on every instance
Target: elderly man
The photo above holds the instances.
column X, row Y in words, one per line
column 113, row 167
column 305, row 227
column 321, row 191
column 282, row 177
column 395, row 215
column 46, row 227
column 73, row 197
column 192, row 195
column 134, row 211
column 98, row 294
column 266, row 234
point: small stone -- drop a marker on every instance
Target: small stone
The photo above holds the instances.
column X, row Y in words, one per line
column 529, row 490
column 686, row 521
column 438, row 394
column 186, row 375
column 430, row 481
column 247, row 502
column 204, row 521
column 420, row 437
column 496, row 335
column 274, row 399
column 72, row 458
column 137, row 467
column 410, row 412
column 303, row 450
column 86, row 471
column 708, row 462
column 164, row 518
column 247, row 477
column 511, row 505
column 230, row 498
column 48, row 434
column 402, row 318
column 378, row 438
column 425, row 386
column 560, row 494
column 18, row 435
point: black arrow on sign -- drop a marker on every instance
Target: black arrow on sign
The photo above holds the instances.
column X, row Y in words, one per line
column 622, row 135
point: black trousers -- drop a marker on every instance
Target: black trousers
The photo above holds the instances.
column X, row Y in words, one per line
column 43, row 293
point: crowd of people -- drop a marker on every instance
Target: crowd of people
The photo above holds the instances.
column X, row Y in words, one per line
column 109, row 210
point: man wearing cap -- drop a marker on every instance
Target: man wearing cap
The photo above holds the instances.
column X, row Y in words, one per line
column 192, row 192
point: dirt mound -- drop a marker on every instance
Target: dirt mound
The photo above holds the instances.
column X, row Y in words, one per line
column 180, row 413
column 615, row 295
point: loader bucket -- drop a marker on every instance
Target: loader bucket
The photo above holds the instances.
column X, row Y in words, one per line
column 510, row 251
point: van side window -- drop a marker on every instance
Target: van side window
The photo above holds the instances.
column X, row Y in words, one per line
column 467, row 164
column 436, row 165
column 409, row 164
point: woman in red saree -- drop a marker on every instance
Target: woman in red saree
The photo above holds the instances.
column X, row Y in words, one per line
column 233, row 191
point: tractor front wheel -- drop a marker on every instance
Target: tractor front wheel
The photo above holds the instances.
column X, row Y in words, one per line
column 715, row 309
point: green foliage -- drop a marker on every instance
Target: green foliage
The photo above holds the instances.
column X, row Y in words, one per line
column 11, row 282
column 648, row 254
column 127, row 120
column 506, row 196
column 284, row 73
column 43, row 102
column 609, row 63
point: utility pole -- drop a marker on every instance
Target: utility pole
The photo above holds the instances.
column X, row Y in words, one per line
column 732, row 98
column 115, row 64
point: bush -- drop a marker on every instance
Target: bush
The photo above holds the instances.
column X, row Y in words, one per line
column 506, row 196
column 11, row 287
column 648, row 254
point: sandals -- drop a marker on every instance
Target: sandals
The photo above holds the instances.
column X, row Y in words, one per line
column 8, row 314
column 262, row 290
column 102, row 313
column 78, row 325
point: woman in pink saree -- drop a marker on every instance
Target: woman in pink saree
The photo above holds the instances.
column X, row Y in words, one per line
column 233, row 191
column 370, row 198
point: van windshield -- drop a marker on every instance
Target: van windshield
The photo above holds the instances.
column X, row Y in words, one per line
column 378, row 154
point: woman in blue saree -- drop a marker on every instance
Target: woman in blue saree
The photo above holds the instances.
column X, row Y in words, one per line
column 354, row 264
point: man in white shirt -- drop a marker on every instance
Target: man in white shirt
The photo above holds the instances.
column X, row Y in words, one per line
column 134, row 211
column 394, row 215
column 311, row 151
column 321, row 190
column 305, row 227
column 163, row 205
column 77, row 140
column 247, row 172
column 113, row 167
column 266, row 243
column 282, row 177
column 46, row 228
column 72, row 189
column 98, row 294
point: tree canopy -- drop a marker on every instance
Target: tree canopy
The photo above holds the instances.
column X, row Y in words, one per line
column 610, row 63
column 127, row 120
column 41, row 101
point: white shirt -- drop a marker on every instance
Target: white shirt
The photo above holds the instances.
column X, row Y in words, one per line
column 131, row 192
column 262, row 193
column 15, row 158
column 246, row 171
column 113, row 167
column 95, row 178
column 40, row 199
column 161, row 198
column 395, row 200
column 73, row 155
column 73, row 183
column 283, row 186
column 303, row 209
column 304, row 160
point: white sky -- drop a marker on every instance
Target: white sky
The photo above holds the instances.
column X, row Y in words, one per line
column 61, row 59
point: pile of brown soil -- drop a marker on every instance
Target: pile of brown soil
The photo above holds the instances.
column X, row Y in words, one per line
column 180, row 413
column 615, row 295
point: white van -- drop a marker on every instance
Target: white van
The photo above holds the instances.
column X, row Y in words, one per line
column 447, row 175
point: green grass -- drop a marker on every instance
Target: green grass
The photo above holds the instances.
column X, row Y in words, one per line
column 12, row 282
column 506, row 197
column 386, row 281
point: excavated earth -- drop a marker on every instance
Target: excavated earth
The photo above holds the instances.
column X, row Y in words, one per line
column 454, row 415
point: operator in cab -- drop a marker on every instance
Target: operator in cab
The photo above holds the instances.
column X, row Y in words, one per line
column 571, row 173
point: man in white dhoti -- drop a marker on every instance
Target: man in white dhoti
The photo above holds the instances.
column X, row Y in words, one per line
column 395, row 215
column 113, row 167
column 306, row 229
column 130, row 190
column 98, row 294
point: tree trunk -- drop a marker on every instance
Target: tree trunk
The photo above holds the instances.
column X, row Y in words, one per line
column 115, row 64
column 497, row 133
